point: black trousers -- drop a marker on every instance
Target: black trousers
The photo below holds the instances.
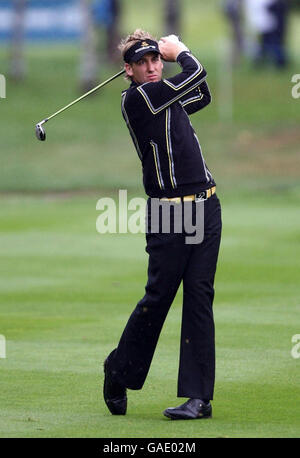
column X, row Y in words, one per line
column 172, row 260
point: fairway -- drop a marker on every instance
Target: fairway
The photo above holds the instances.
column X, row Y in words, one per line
column 67, row 291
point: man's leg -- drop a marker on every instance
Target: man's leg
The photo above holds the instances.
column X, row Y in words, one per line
column 197, row 350
column 131, row 360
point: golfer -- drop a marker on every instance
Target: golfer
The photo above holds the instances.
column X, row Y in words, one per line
column 156, row 112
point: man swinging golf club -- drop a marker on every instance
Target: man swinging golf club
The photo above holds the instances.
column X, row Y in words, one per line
column 156, row 112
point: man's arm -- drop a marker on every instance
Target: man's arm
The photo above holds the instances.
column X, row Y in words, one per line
column 159, row 95
column 196, row 99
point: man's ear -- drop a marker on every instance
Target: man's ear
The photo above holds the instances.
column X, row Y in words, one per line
column 128, row 70
column 162, row 62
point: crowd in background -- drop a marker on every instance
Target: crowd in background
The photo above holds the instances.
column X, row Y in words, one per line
column 267, row 22
column 258, row 30
column 259, row 27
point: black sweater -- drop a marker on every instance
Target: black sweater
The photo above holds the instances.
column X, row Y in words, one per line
column 156, row 114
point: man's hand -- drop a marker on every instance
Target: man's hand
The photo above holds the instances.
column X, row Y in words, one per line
column 170, row 47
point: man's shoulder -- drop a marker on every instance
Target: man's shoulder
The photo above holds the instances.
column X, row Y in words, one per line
column 131, row 97
column 129, row 92
column 132, row 89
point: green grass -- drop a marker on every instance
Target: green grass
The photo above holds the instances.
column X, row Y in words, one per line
column 65, row 298
column 66, row 291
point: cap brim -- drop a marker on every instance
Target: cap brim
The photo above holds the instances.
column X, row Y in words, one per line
column 140, row 54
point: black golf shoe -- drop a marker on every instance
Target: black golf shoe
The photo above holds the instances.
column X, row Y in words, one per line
column 191, row 410
column 114, row 394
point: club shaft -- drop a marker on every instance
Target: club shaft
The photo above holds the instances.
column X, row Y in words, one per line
column 86, row 94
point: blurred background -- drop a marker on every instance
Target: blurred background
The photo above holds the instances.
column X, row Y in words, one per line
column 66, row 291
column 53, row 51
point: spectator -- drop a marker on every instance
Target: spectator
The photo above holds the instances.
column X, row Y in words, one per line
column 106, row 14
column 279, row 8
column 268, row 20
column 233, row 12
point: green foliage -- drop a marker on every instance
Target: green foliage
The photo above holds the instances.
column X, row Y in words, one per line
column 89, row 146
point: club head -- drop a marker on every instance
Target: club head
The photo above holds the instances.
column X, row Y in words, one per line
column 40, row 132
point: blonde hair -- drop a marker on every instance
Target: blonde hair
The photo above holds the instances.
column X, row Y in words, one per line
column 133, row 38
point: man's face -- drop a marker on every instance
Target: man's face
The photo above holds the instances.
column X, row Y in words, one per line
column 147, row 69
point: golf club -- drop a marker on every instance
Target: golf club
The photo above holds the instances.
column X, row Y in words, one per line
column 39, row 129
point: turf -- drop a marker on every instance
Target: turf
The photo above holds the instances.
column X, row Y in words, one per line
column 67, row 291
